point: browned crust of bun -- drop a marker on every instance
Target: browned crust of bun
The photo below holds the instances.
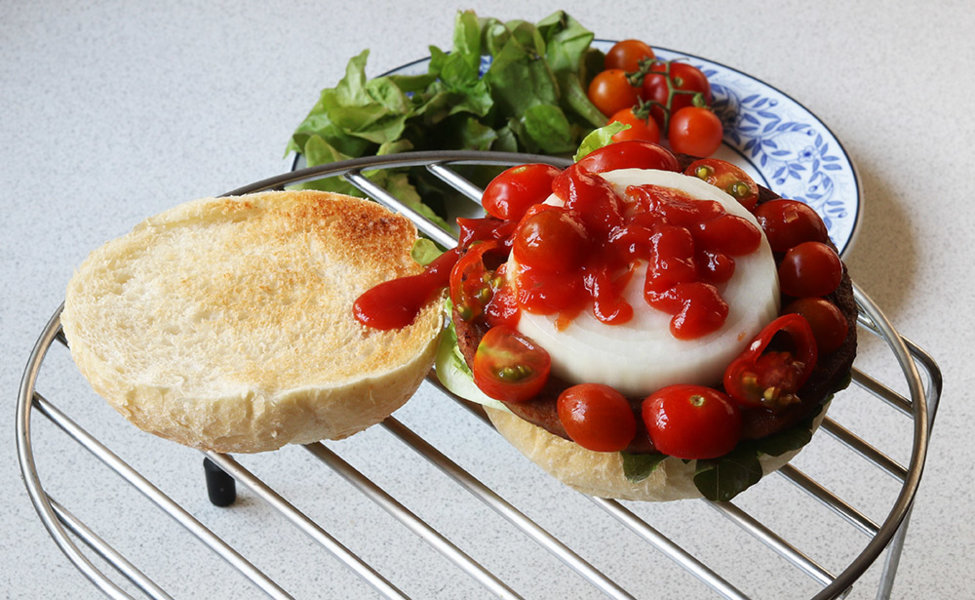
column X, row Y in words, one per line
column 831, row 373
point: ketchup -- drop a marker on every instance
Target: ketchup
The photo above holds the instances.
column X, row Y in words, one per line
column 396, row 303
column 689, row 246
column 584, row 253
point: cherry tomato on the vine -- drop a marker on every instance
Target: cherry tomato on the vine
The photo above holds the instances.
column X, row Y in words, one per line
column 510, row 194
column 810, row 269
column 509, row 366
column 641, row 128
column 686, row 81
column 597, row 417
column 788, row 223
column 728, row 177
column 611, row 91
column 828, row 323
column 695, row 130
column 692, row 421
column 627, row 54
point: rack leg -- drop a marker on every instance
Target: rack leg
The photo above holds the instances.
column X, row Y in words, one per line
column 893, row 558
column 221, row 487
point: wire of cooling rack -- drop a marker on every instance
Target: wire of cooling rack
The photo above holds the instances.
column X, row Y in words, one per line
column 921, row 375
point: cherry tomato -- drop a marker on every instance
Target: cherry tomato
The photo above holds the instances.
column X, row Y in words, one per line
column 695, row 130
column 483, row 229
column 641, row 128
column 771, row 379
column 627, row 55
column 728, row 177
column 550, row 238
column 611, row 92
column 810, row 269
column 510, row 194
column 510, row 367
column 686, row 81
column 597, row 417
column 788, row 223
column 692, row 421
column 828, row 323
column 633, row 154
column 470, row 281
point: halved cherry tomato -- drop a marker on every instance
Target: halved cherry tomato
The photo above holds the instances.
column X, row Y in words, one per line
column 692, row 421
column 788, row 223
column 471, row 282
column 810, row 269
column 728, row 177
column 510, row 194
column 484, row 229
column 627, row 55
column 641, row 127
column 510, row 367
column 686, row 83
column 633, row 154
column 829, row 325
column 597, row 417
column 550, row 238
column 695, row 130
column 611, row 91
column 757, row 378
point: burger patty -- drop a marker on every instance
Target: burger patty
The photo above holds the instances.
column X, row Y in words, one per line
column 831, row 373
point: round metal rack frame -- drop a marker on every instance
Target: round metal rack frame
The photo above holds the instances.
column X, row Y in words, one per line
column 919, row 406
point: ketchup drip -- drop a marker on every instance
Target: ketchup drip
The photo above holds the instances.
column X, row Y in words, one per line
column 396, row 303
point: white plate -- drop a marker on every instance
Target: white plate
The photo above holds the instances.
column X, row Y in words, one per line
column 775, row 139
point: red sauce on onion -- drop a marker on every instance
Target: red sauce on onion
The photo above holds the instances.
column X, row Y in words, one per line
column 584, row 253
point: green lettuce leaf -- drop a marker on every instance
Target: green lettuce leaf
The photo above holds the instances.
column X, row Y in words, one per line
column 567, row 44
column 424, row 251
column 637, row 467
column 598, row 138
column 724, row 478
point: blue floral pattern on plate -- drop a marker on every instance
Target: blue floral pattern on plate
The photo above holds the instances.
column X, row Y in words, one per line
column 783, row 145
column 772, row 137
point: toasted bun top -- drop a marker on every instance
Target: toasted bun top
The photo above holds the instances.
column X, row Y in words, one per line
column 247, row 298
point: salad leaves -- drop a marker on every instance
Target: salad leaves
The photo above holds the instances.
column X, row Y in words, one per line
column 504, row 86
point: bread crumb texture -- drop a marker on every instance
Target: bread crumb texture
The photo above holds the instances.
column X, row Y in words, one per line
column 240, row 309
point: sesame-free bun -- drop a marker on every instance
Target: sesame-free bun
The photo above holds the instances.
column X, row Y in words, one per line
column 600, row 474
column 226, row 323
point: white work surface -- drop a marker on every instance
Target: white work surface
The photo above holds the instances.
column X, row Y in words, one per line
column 114, row 111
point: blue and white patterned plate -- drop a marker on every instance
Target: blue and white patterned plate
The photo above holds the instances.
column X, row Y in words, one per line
column 772, row 137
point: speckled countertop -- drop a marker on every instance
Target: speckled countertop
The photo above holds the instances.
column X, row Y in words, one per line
column 114, row 111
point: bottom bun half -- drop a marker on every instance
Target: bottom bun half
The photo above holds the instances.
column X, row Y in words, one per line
column 600, row 474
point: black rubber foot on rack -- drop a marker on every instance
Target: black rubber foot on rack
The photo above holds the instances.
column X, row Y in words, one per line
column 221, row 488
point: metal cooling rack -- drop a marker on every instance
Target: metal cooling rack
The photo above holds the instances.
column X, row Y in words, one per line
column 921, row 376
